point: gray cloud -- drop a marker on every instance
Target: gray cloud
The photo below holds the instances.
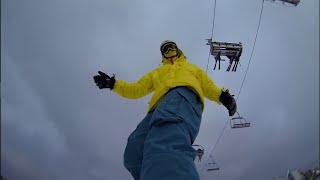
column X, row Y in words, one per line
column 57, row 125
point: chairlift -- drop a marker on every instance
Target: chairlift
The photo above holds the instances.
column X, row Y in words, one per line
column 239, row 122
column 232, row 51
column 199, row 150
column 211, row 165
column 287, row 2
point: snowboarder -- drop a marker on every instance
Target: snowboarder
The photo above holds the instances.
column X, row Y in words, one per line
column 160, row 148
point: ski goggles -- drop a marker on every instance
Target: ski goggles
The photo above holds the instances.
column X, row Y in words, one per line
column 165, row 48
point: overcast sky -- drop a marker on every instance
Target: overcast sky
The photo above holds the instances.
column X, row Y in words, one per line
column 56, row 124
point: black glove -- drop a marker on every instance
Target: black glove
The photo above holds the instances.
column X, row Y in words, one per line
column 228, row 101
column 104, row 81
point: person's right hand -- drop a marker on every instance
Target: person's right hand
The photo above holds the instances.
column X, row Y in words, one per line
column 104, row 81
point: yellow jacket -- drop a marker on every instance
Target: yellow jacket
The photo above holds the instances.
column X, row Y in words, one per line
column 167, row 76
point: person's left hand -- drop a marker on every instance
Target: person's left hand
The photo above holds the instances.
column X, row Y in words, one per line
column 229, row 102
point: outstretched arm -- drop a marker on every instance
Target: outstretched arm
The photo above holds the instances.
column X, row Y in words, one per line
column 214, row 93
column 210, row 89
column 134, row 90
column 128, row 90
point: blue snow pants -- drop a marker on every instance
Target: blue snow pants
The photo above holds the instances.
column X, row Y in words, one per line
column 160, row 148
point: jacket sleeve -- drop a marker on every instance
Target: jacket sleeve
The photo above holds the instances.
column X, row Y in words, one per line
column 210, row 89
column 134, row 90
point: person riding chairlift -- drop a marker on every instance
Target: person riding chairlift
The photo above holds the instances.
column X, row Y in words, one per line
column 161, row 145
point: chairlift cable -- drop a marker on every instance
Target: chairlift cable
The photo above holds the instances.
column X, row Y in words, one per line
column 214, row 146
column 212, row 29
column 243, row 78
column 254, row 44
column 242, row 83
column 208, row 62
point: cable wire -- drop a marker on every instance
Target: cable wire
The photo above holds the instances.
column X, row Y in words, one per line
column 214, row 16
column 214, row 147
column 255, row 40
column 254, row 44
column 212, row 29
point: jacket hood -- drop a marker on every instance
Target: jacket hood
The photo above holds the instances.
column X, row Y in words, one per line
column 181, row 58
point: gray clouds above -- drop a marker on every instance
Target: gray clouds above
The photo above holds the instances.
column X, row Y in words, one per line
column 57, row 125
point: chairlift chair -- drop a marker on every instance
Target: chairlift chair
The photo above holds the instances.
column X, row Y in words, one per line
column 288, row 2
column 232, row 51
column 211, row 165
column 199, row 150
column 239, row 122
